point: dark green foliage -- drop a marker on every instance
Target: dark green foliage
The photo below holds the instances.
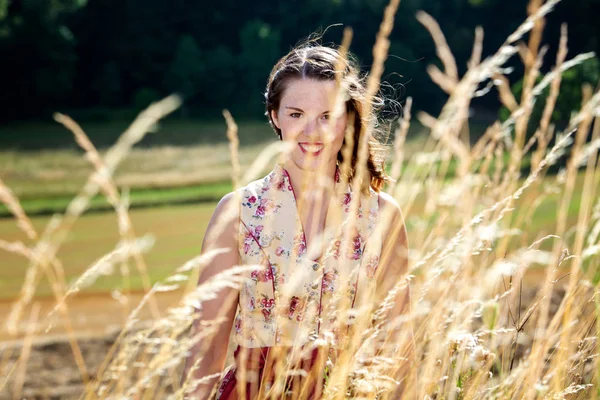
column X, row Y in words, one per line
column 569, row 98
column 187, row 68
column 144, row 97
column 260, row 50
column 117, row 55
column 108, row 84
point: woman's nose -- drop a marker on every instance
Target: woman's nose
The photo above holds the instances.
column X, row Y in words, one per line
column 312, row 129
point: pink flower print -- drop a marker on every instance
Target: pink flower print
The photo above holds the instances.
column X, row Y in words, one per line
column 296, row 305
column 252, row 233
column 355, row 251
column 267, row 183
column 372, row 266
column 238, row 324
column 268, row 274
column 283, row 182
column 264, row 275
column 267, row 314
column 336, row 249
column 249, row 201
column 264, row 206
column 301, row 248
column 328, row 280
column 300, row 244
column 347, row 198
column 267, row 303
column 281, row 279
column 260, row 210
column 279, row 251
column 252, row 304
column 280, row 185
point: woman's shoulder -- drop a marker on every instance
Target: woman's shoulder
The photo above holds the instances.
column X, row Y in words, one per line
column 230, row 203
column 388, row 201
column 225, row 203
column 389, row 207
column 226, row 212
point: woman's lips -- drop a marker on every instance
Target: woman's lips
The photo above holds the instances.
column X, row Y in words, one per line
column 311, row 148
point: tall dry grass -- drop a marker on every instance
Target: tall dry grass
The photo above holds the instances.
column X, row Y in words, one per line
column 487, row 319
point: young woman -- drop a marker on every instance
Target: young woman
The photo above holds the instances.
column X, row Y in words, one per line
column 325, row 254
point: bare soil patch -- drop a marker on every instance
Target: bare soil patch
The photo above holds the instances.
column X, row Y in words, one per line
column 52, row 372
column 97, row 320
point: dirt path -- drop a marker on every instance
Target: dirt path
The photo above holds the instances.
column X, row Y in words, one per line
column 96, row 315
column 96, row 321
column 51, row 370
column 90, row 315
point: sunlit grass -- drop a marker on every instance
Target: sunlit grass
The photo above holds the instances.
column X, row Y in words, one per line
column 483, row 327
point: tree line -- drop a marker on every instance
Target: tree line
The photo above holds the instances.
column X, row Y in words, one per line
column 100, row 58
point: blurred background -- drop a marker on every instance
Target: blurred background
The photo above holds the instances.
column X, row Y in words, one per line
column 103, row 61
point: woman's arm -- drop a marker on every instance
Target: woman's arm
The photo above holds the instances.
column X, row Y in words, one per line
column 393, row 270
column 222, row 232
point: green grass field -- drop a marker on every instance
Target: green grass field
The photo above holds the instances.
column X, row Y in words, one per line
column 174, row 190
column 33, row 136
column 184, row 162
column 179, row 231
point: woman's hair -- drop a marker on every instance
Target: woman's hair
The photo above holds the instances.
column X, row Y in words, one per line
column 309, row 61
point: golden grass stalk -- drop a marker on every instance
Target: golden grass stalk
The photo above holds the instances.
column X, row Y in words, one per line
column 399, row 140
column 25, row 353
column 12, row 203
column 540, row 133
column 56, row 231
column 111, row 192
column 234, row 144
column 483, row 327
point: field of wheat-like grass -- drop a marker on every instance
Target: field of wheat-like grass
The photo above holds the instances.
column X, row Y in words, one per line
column 500, row 307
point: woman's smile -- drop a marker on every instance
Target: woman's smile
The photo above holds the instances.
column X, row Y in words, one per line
column 313, row 148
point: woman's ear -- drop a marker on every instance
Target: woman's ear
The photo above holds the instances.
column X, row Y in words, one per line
column 274, row 119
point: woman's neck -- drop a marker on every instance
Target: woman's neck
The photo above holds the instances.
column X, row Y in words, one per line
column 308, row 182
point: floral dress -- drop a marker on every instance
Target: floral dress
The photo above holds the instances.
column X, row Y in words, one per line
column 289, row 299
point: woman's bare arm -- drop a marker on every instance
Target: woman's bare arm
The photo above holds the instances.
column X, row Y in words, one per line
column 394, row 255
column 394, row 269
column 208, row 356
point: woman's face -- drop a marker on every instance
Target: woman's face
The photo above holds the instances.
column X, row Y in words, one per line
column 306, row 119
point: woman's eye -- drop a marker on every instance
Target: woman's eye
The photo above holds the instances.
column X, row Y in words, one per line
column 325, row 117
column 295, row 115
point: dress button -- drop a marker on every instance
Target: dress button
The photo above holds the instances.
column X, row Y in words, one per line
column 315, row 266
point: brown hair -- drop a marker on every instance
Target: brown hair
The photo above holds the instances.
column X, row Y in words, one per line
column 319, row 62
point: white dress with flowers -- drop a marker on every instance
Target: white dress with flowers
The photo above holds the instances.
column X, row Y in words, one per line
column 289, row 299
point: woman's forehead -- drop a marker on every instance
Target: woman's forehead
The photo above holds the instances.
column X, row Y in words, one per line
column 308, row 93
